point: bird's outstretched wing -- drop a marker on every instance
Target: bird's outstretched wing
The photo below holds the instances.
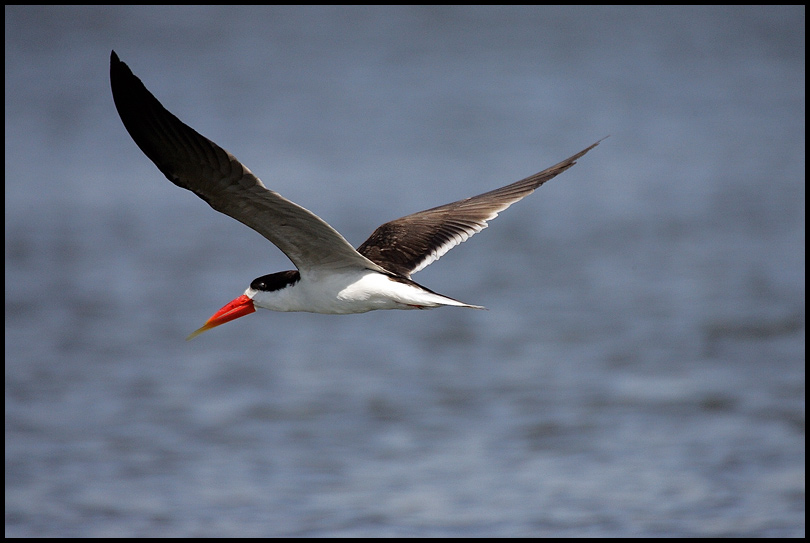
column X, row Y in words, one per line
column 406, row 245
column 193, row 162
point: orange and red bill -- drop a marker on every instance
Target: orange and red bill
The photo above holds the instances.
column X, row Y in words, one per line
column 237, row 308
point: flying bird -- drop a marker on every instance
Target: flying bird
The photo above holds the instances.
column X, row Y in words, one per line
column 331, row 276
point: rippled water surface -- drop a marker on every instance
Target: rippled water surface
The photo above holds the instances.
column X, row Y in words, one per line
column 639, row 372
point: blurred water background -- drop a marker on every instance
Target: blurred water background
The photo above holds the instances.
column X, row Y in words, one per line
column 641, row 368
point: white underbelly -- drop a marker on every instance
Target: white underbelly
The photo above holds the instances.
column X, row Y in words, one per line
column 369, row 291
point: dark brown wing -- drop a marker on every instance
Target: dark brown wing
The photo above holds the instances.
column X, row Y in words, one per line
column 405, row 246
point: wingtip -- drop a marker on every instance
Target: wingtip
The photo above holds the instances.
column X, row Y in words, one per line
column 597, row 142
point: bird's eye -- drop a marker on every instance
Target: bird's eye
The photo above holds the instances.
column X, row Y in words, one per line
column 259, row 284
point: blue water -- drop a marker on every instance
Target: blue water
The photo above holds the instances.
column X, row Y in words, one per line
column 639, row 372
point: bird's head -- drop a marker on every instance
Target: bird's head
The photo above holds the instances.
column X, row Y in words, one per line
column 260, row 293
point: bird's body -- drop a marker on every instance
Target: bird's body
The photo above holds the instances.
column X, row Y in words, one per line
column 348, row 291
column 331, row 276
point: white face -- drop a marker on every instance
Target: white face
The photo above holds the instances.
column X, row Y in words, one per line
column 282, row 299
column 273, row 291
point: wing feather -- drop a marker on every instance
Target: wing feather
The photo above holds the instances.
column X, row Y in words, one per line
column 408, row 244
column 193, row 162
